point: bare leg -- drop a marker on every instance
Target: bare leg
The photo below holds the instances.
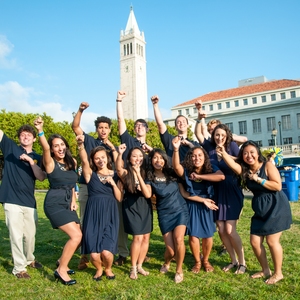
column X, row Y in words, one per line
column 73, row 231
column 170, row 248
column 178, row 237
column 195, row 248
column 143, row 248
column 135, row 249
column 97, row 263
column 107, row 258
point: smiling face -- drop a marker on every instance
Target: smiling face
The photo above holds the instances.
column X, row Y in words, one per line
column 58, row 148
column 220, row 137
column 158, row 161
column 26, row 139
column 136, row 157
column 103, row 131
column 198, row 158
column 181, row 125
column 250, row 155
column 100, row 159
column 140, row 129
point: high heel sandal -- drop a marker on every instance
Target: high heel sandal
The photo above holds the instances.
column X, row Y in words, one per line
column 133, row 273
column 70, row 271
column 142, row 271
column 58, row 277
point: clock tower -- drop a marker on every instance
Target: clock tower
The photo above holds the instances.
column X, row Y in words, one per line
column 133, row 70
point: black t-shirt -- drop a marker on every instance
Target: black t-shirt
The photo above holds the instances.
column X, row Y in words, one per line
column 18, row 180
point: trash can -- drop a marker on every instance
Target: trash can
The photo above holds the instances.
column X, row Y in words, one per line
column 290, row 181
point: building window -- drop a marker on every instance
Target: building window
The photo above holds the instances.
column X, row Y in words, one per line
column 227, row 104
column 293, row 94
column 298, row 121
column 142, row 51
column 256, row 123
column 179, row 112
column 210, row 107
column 195, row 110
column 203, row 107
column 124, row 50
column 263, row 99
column 236, row 103
column 127, row 49
column 245, row 101
column 271, row 123
column 287, row 141
column 130, row 48
column 219, row 105
column 254, row 100
column 271, row 142
column 187, row 111
column 259, row 143
column 230, row 126
column 243, row 127
column 282, row 96
column 286, row 122
column 273, row 97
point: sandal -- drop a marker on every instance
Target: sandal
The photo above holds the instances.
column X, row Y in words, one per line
column 178, row 277
column 273, row 279
column 196, row 268
column 164, row 268
column 230, row 266
column 208, row 267
column 142, row 271
column 241, row 269
column 133, row 273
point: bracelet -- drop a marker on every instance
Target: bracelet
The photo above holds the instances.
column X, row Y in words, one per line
column 41, row 133
column 113, row 149
column 263, row 182
column 80, row 147
column 119, row 100
column 175, row 150
column 198, row 121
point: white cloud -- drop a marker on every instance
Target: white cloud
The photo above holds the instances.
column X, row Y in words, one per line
column 6, row 48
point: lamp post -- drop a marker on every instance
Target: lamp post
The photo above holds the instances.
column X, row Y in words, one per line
column 279, row 124
column 274, row 134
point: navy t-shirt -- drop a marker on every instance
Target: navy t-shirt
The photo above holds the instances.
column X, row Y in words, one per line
column 18, row 180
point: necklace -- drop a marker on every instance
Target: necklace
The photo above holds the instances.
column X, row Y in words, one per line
column 256, row 171
column 103, row 178
column 160, row 179
column 62, row 167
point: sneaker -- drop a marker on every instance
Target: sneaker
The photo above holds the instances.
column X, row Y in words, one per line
column 83, row 263
column 22, row 274
column 120, row 261
column 36, row 265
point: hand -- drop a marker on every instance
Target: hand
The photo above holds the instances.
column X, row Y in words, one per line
column 111, row 181
column 154, row 99
column 83, row 106
column 80, row 139
column 176, row 142
column 27, row 158
column 121, row 95
column 122, row 148
column 38, row 124
column 210, row 204
column 74, row 205
column 146, row 148
column 136, row 168
column 198, row 104
column 220, row 150
column 194, row 176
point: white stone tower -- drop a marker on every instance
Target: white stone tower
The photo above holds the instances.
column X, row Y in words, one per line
column 133, row 70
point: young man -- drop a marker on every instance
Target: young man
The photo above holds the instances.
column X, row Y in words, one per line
column 17, row 195
column 181, row 125
column 102, row 125
column 140, row 129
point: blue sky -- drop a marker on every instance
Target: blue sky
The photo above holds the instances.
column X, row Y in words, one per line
column 56, row 54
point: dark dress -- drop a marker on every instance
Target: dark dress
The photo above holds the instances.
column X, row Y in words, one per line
column 171, row 207
column 59, row 196
column 228, row 193
column 272, row 211
column 201, row 217
column 101, row 218
column 137, row 213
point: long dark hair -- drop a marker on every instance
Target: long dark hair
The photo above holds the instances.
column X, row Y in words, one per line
column 167, row 169
column 93, row 153
column 228, row 134
column 129, row 181
column 188, row 161
column 68, row 159
column 240, row 160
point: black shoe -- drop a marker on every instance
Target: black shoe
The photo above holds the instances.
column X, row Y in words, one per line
column 120, row 261
column 58, row 277
column 35, row 264
column 111, row 277
column 70, row 272
column 97, row 278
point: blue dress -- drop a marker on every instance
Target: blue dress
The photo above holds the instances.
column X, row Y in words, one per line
column 272, row 211
column 171, row 207
column 101, row 218
column 228, row 193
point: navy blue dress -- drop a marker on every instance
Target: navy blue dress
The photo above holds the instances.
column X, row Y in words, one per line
column 228, row 193
column 171, row 207
column 101, row 218
column 272, row 211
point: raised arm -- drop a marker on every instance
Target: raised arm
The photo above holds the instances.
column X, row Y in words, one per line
column 86, row 169
column 112, row 149
column 235, row 167
column 76, row 122
column 37, row 171
column 239, row 139
column 47, row 159
column 145, row 188
column 273, row 183
column 158, row 117
column 120, row 164
column 178, row 168
column 200, row 128
column 120, row 115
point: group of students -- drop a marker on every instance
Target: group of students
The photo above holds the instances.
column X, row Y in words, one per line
column 197, row 186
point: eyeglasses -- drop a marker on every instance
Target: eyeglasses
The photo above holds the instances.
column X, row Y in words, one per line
column 140, row 125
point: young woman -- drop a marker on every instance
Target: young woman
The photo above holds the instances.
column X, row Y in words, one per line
column 137, row 209
column 173, row 215
column 272, row 212
column 198, row 174
column 60, row 202
column 228, row 196
column 101, row 217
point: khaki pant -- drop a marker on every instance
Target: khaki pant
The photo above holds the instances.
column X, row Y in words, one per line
column 21, row 222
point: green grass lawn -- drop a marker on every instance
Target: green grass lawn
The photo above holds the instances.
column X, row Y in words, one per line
column 216, row 285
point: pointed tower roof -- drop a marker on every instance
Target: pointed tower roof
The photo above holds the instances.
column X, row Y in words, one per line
column 132, row 26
